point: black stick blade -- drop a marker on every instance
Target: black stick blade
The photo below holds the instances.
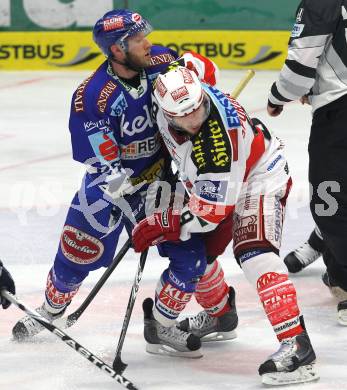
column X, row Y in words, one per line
column 118, row 365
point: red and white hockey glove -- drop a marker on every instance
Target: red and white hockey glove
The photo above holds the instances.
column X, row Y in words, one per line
column 159, row 227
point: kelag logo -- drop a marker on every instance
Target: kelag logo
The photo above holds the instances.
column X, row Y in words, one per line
column 49, row 52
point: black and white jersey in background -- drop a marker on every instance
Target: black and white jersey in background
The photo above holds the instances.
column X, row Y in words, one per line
column 317, row 55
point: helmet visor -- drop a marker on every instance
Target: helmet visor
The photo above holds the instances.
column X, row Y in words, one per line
column 192, row 122
column 141, row 27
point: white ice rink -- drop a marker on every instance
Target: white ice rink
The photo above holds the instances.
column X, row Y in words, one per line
column 37, row 181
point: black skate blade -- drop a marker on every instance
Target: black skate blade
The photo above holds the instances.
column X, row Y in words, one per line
column 301, row 375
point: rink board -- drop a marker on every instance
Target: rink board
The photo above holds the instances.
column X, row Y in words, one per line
column 61, row 50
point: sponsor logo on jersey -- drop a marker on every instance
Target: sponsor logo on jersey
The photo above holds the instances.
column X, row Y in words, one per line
column 139, row 149
column 219, row 151
column 213, row 191
column 297, row 30
column 108, row 149
column 274, row 162
column 179, row 93
column 105, row 147
column 80, row 247
column 105, row 93
column 119, row 105
column 102, row 124
column 138, row 124
column 198, row 152
column 212, row 150
column 150, row 174
column 161, row 59
column 114, row 23
column 229, row 112
column 78, row 101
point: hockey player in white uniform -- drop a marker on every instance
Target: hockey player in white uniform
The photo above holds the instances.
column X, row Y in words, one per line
column 231, row 165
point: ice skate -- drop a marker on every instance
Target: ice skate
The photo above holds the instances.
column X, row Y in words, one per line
column 27, row 327
column 306, row 254
column 213, row 328
column 170, row 340
column 292, row 363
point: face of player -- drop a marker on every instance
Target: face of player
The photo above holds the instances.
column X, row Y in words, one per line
column 139, row 49
column 192, row 122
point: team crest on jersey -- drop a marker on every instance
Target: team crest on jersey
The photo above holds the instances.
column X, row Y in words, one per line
column 119, row 105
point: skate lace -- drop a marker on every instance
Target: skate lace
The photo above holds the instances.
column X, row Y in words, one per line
column 285, row 353
column 201, row 320
column 174, row 333
column 306, row 254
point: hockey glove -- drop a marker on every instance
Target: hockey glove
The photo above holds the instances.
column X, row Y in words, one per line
column 6, row 282
column 159, row 227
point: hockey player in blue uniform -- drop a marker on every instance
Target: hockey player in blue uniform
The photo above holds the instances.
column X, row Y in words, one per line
column 113, row 133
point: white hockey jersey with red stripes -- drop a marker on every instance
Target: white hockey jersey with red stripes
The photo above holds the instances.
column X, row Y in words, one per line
column 220, row 161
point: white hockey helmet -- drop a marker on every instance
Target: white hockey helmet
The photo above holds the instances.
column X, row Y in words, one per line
column 178, row 92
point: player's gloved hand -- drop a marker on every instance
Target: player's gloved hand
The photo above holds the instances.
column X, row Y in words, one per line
column 159, row 227
column 6, row 282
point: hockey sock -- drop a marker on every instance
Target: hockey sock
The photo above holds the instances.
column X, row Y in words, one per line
column 212, row 291
column 278, row 296
column 170, row 300
column 56, row 299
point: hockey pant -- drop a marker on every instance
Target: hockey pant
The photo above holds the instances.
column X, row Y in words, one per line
column 88, row 241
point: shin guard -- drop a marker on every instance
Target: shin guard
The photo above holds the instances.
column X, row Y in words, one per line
column 278, row 296
column 212, row 291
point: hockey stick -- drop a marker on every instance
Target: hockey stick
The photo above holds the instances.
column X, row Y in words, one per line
column 70, row 341
column 118, row 365
column 242, row 84
column 73, row 317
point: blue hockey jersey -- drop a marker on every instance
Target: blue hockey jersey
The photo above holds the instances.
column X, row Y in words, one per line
column 111, row 124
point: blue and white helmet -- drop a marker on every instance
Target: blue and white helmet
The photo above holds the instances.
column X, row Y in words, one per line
column 116, row 26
